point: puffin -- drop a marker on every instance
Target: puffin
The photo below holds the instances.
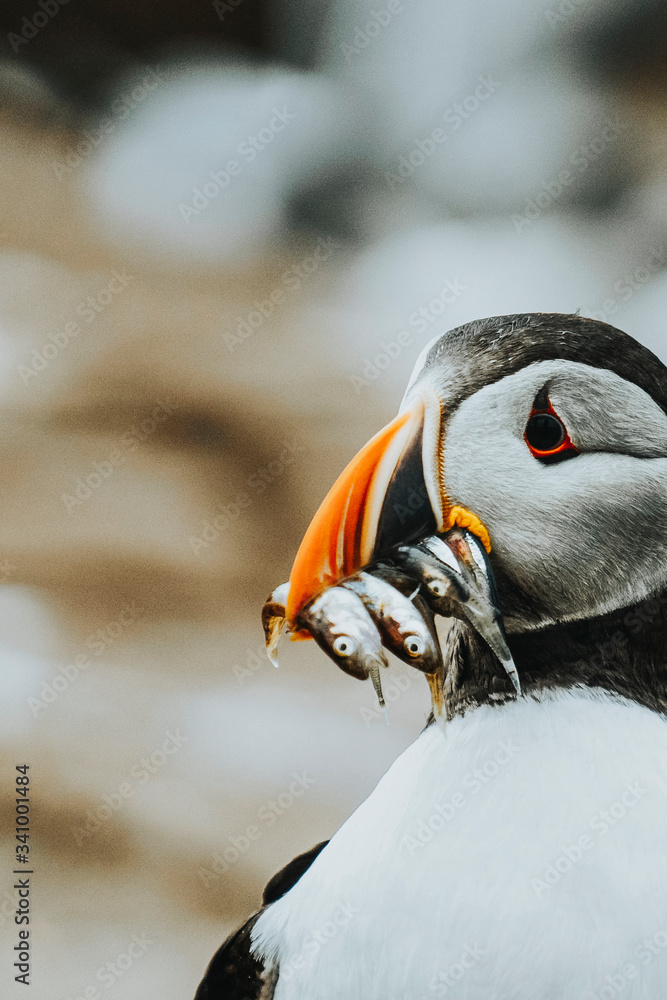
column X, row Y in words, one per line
column 518, row 848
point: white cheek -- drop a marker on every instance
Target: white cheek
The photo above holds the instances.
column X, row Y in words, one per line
column 581, row 537
column 485, row 456
column 492, row 478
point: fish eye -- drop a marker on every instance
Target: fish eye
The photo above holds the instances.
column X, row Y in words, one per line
column 414, row 645
column 343, row 645
column 437, row 587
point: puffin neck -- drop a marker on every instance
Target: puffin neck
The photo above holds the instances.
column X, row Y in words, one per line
column 624, row 652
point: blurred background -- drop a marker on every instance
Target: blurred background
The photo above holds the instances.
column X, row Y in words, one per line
column 226, row 232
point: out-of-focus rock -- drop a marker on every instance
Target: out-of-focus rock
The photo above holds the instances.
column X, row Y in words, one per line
column 203, row 170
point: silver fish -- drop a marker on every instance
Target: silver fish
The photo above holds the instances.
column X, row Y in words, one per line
column 481, row 608
column 404, row 630
column 341, row 626
column 458, row 582
column 439, row 573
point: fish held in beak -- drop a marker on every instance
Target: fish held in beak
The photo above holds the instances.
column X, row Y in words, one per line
column 481, row 608
column 388, row 536
column 339, row 623
column 409, row 633
column 458, row 582
column 392, row 603
column 440, row 575
column 341, row 626
column 274, row 620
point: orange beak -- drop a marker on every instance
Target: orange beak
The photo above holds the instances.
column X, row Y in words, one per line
column 390, row 493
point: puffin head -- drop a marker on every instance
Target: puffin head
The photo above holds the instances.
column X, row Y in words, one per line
column 545, row 435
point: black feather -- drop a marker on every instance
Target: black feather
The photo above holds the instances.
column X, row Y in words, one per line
column 233, row 972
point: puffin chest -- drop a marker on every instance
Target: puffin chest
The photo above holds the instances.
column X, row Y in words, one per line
column 519, row 852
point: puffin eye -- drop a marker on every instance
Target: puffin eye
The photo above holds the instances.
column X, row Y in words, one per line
column 546, row 435
column 436, row 587
column 414, row 645
column 545, row 432
column 343, row 645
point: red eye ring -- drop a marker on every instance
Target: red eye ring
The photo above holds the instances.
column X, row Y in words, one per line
column 548, row 438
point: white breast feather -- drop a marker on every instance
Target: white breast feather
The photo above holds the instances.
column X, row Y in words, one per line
column 521, row 854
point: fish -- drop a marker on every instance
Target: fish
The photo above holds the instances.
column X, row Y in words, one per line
column 339, row 623
column 274, row 620
column 458, row 581
column 409, row 632
column 439, row 574
column 481, row 608
column 341, row 626
column 392, row 603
